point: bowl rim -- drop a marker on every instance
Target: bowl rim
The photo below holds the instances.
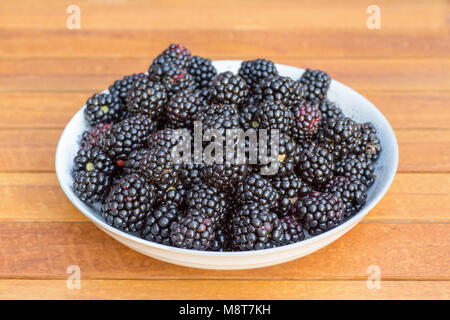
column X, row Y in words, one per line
column 85, row 208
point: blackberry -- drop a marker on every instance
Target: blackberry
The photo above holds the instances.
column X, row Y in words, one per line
column 307, row 119
column 128, row 135
column 182, row 108
column 91, row 186
column 274, row 115
column 257, row 189
column 93, row 159
column 316, row 84
column 165, row 138
column 282, row 89
column 174, row 193
column 247, row 117
column 319, row 212
column 293, row 230
column 158, row 167
column 131, row 164
column 175, row 54
column 255, row 227
column 128, row 203
column 330, row 110
column 352, row 191
column 102, row 107
column 226, row 119
column 221, row 241
column 146, row 97
column 173, row 77
column 288, row 156
column 208, row 200
column 202, row 71
column 316, row 165
column 193, row 231
column 253, row 71
column 229, row 88
column 369, row 143
column 224, row 176
column 158, row 222
column 120, row 87
column 356, row 166
column 340, row 136
column 91, row 138
column 289, row 188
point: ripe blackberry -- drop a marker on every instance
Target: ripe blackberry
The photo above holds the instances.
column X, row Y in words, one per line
column 167, row 137
column 356, row 166
column 92, row 137
column 222, row 240
column 120, row 87
column 340, row 136
column 158, row 222
column 174, row 193
column 102, row 107
column 208, row 200
column 226, row 119
column 158, row 167
column 352, row 191
column 131, row 164
column 247, row 117
column 316, row 84
column 146, row 97
column 224, row 176
column 255, row 227
column 128, row 135
column 274, row 115
column 289, row 188
column 307, row 119
column 293, row 229
column 175, row 54
column 91, row 186
column 253, row 71
column 319, row 212
column 128, row 203
column 93, row 159
column 316, row 165
column 202, row 71
column 369, row 142
column 288, row 156
column 182, row 107
column 330, row 110
column 282, row 89
column 193, row 231
column 257, row 189
column 229, row 88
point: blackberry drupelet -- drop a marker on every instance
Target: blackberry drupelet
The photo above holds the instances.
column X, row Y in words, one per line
column 182, row 108
column 93, row 159
column 319, row 212
column 352, row 192
column 120, row 87
column 229, row 88
column 307, row 119
column 158, row 222
column 158, row 167
column 102, row 107
column 274, row 115
column 330, row 110
column 255, row 227
column 253, row 71
column 278, row 88
column 202, row 71
column 257, row 189
column 316, row 84
column 128, row 203
column 91, row 186
column 128, row 135
column 146, row 97
column 289, row 188
column 340, row 136
column 369, row 143
column 316, row 165
column 293, row 229
column 208, row 200
column 92, row 137
column 356, row 166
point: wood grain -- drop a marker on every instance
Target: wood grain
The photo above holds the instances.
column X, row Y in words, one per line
column 212, row 289
column 406, row 251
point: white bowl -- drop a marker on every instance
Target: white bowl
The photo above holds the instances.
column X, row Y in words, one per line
column 352, row 103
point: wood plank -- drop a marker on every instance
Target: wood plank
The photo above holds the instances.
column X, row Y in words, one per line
column 216, row 289
column 404, row 110
column 202, row 14
column 34, row 150
column 38, row 197
column 45, row 250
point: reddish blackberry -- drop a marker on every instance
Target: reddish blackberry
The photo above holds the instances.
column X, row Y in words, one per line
column 316, row 165
column 93, row 159
column 158, row 222
column 307, row 119
column 208, row 200
column 257, row 189
column 330, row 110
column 202, row 71
column 224, row 176
column 255, row 227
column 128, row 135
column 174, row 193
column 91, row 186
column 369, row 142
column 316, row 84
column 352, row 191
column 293, row 229
column 253, row 71
column 120, row 87
column 91, row 138
column 229, row 88
column 274, row 115
column 102, row 107
column 278, row 88
column 128, row 203
column 175, row 54
column 289, row 188
column 319, row 212
column 356, row 166
column 158, row 167
column 146, row 97
column 183, row 107
column 340, row 136
column 193, row 231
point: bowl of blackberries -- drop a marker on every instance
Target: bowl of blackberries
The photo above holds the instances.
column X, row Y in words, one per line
column 226, row 164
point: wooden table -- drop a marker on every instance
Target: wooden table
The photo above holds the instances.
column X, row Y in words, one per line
column 47, row 71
